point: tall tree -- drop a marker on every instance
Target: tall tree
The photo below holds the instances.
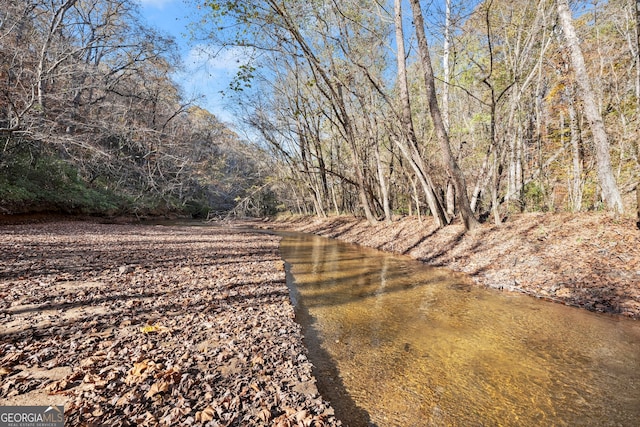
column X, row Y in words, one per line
column 454, row 171
column 446, row 73
column 610, row 193
column 410, row 149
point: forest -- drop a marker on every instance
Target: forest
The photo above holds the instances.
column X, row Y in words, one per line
column 92, row 121
column 475, row 110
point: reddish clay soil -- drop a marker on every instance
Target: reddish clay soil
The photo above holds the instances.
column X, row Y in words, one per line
column 586, row 260
column 152, row 325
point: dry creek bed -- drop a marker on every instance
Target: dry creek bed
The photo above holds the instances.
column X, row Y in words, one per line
column 152, row 325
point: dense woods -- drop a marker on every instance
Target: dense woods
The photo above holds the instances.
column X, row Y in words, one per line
column 500, row 107
column 91, row 120
column 470, row 109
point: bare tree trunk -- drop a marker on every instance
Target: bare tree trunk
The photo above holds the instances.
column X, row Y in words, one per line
column 334, row 198
column 411, row 153
column 416, row 198
column 445, row 66
column 384, row 189
column 362, row 192
column 495, row 181
column 483, row 179
column 470, row 222
column 451, row 199
column 606, row 178
column 576, row 151
column 41, row 73
column 446, row 54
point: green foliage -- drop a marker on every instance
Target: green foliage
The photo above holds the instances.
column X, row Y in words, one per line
column 243, row 78
column 534, row 197
column 220, row 171
column 50, row 183
column 590, row 199
column 197, row 208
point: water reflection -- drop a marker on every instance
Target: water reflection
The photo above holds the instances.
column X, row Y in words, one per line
column 396, row 343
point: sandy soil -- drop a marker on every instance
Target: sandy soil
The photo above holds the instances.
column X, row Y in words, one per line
column 585, row 260
column 152, row 325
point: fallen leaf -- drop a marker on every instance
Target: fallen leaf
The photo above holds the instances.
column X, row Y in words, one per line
column 57, row 386
column 264, row 415
column 205, row 415
column 140, row 367
column 89, row 361
column 158, row 387
column 139, row 370
column 149, row 329
column 128, row 398
column 172, row 375
column 97, row 381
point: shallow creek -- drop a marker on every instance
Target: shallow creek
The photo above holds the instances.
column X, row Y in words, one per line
column 397, row 343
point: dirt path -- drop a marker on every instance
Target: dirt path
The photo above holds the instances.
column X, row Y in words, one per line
column 152, row 325
column 586, row 260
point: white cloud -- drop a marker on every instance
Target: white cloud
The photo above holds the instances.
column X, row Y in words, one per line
column 217, row 61
column 155, row 3
column 208, row 73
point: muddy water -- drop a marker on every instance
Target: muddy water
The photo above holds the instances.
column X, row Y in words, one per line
column 396, row 343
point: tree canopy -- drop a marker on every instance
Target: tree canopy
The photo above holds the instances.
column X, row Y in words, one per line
column 348, row 114
column 329, row 104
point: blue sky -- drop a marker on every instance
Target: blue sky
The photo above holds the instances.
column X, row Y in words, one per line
column 203, row 75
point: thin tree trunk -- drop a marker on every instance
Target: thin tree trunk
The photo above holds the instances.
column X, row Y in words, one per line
column 445, row 66
column 446, row 54
column 362, row 191
column 416, row 198
column 576, row 151
column 40, row 69
column 384, row 189
column 483, row 179
column 451, row 199
column 610, row 193
column 334, row 198
column 495, row 180
column 470, row 222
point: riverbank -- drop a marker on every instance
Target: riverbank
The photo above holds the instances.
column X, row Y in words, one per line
column 152, row 325
column 587, row 260
column 174, row 325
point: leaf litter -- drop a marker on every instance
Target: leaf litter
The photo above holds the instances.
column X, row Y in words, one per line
column 152, row 325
